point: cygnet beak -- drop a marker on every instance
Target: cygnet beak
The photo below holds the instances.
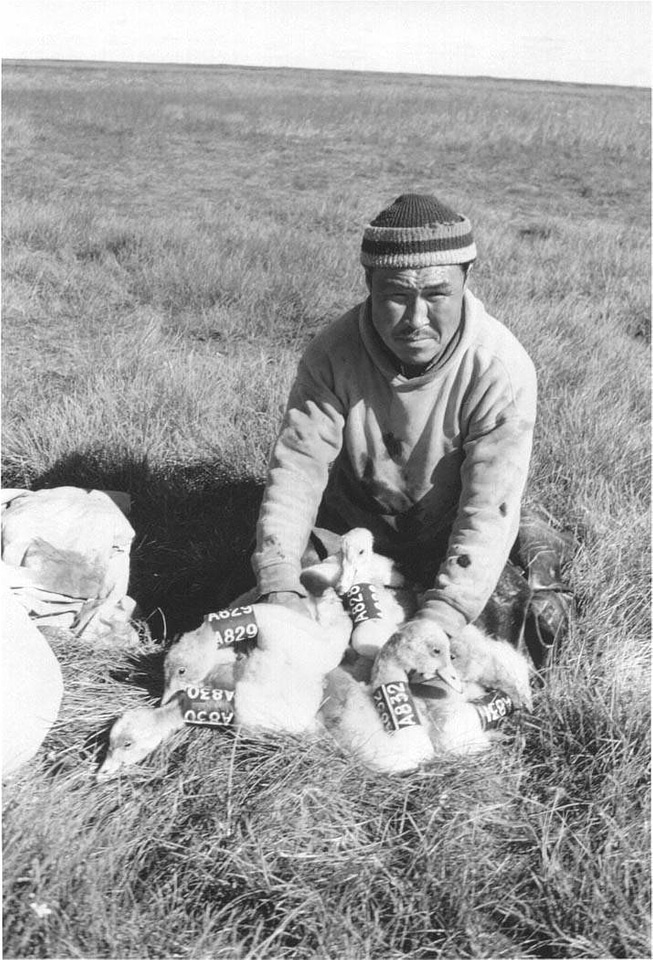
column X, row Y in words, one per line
column 108, row 770
column 450, row 677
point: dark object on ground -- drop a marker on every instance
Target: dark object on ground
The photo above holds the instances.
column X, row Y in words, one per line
column 543, row 552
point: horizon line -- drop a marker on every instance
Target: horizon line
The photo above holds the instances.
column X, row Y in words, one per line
column 248, row 66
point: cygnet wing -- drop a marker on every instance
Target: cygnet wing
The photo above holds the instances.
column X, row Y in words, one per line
column 282, row 626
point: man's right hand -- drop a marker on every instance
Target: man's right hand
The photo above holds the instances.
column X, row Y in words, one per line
column 287, row 598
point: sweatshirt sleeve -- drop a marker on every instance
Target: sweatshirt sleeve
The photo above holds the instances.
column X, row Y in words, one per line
column 497, row 448
column 309, row 441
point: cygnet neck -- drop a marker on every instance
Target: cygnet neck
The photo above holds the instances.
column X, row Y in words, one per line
column 170, row 716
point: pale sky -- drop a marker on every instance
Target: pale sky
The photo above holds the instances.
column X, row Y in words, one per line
column 585, row 41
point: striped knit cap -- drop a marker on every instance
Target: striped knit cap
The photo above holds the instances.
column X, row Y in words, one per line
column 417, row 230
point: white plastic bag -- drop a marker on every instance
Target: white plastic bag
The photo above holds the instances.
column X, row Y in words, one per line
column 65, row 556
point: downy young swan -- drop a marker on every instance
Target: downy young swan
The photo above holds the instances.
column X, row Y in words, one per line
column 138, row 732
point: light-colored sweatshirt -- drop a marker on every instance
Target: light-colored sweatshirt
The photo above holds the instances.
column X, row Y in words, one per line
column 435, row 466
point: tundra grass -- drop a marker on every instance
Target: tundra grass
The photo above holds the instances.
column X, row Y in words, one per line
column 173, row 237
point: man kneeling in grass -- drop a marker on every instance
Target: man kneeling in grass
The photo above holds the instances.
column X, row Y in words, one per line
column 412, row 415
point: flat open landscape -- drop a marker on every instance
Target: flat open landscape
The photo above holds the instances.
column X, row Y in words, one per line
column 173, row 238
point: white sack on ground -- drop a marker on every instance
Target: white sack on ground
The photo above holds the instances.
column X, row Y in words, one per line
column 32, row 685
column 65, row 554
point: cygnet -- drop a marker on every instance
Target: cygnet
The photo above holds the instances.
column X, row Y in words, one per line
column 138, row 732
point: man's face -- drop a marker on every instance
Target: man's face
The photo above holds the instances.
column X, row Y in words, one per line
column 416, row 312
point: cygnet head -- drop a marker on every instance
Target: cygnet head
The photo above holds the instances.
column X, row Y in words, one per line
column 191, row 658
column 133, row 736
column 417, row 654
column 356, row 549
column 432, row 658
column 494, row 664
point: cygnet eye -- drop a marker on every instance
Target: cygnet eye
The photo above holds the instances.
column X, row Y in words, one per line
column 128, row 744
column 361, row 551
column 435, row 651
column 181, row 671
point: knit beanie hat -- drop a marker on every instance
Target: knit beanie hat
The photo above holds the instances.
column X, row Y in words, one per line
column 417, row 230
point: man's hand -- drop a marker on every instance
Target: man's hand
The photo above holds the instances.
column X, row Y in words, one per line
column 420, row 646
column 287, row 598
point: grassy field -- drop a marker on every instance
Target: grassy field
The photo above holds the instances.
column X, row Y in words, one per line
column 173, row 237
